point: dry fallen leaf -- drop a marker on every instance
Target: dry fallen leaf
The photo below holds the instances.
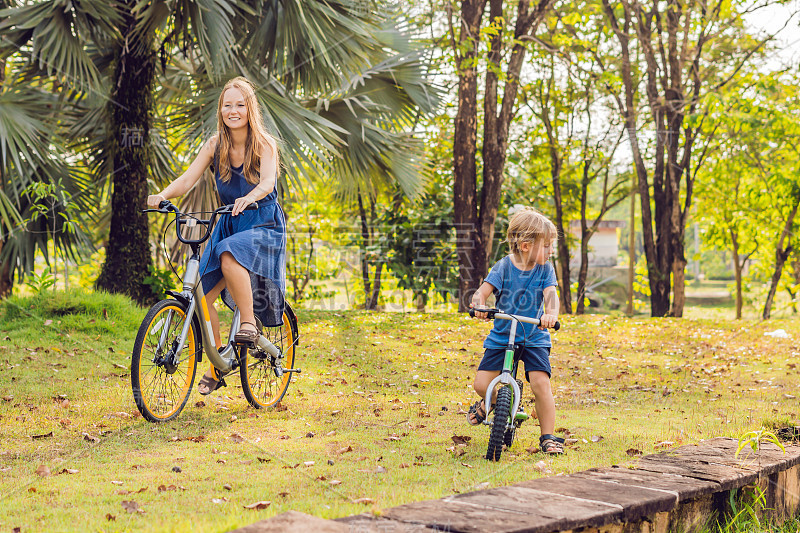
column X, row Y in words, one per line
column 633, row 452
column 344, row 450
column 42, row 436
column 258, row 505
column 596, row 438
column 68, row 471
column 235, row 437
column 117, row 483
column 110, row 517
column 131, row 506
column 227, row 487
column 43, row 470
column 364, row 500
column 308, row 463
column 461, row 439
column 334, row 482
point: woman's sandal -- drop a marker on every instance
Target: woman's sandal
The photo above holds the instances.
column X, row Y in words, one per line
column 552, row 445
column 247, row 337
column 476, row 413
column 210, row 384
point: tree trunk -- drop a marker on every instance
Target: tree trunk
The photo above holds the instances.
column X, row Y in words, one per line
column 474, row 225
column 6, row 272
column 465, row 142
column 583, row 271
column 563, row 249
column 128, row 250
column 737, row 272
column 365, row 242
column 781, row 255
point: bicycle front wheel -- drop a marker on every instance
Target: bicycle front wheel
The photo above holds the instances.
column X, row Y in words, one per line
column 502, row 413
column 161, row 384
column 264, row 381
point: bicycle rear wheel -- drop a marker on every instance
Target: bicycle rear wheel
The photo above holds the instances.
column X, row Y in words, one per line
column 161, row 386
column 264, row 382
column 502, row 412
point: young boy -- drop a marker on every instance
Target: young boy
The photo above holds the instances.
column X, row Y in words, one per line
column 524, row 283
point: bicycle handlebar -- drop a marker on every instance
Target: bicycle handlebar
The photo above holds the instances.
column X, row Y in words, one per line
column 190, row 220
column 495, row 313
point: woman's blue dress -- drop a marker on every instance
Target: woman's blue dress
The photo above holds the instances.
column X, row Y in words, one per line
column 257, row 240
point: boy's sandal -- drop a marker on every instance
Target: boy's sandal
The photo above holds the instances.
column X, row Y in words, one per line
column 210, row 384
column 476, row 414
column 247, row 336
column 550, row 444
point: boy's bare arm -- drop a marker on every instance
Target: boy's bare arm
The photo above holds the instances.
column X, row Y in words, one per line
column 480, row 297
column 550, row 315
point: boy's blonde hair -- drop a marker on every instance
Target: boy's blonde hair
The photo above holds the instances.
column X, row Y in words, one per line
column 529, row 225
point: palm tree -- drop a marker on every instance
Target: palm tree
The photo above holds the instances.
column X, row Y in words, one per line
column 308, row 57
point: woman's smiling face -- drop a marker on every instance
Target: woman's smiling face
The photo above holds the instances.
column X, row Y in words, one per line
column 234, row 109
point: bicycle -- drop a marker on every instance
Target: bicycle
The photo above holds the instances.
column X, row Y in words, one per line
column 177, row 331
column 507, row 415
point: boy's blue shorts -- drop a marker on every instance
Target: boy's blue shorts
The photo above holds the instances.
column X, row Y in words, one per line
column 536, row 358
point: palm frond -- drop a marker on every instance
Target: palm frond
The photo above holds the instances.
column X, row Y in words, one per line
column 56, row 32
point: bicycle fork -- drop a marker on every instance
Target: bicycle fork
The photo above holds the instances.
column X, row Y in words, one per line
column 505, row 379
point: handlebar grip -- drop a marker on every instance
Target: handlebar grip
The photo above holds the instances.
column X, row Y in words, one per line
column 490, row 311
column 164, row 204
column 557, row 326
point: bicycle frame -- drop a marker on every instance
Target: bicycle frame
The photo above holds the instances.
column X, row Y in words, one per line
column 192, row 293
column 506, row 377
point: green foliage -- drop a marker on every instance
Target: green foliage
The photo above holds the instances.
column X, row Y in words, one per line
column 40, row 282
column 755, row 438
column 74, row 310
column 747, row 505
column 418, row 242
column 160, row 280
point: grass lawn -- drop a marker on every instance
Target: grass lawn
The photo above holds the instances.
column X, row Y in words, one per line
column 367, row 425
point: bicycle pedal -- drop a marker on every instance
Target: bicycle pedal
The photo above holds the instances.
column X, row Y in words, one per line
column 521, row 416
column 248, row 345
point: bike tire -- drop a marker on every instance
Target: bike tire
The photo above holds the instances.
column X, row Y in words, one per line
column 262, row 386
column 502, row 413
column 161, row 390
column 508, row 437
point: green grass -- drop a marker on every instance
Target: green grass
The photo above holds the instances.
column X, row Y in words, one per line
column 389, row 388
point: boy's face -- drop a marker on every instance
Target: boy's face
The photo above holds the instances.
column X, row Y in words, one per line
column 538, row 252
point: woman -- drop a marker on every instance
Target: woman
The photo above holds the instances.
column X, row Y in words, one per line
column 245, row 257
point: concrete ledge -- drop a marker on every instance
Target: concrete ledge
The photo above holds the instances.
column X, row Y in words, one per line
column 681, row 489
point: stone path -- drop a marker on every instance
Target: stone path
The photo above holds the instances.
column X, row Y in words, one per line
column 681, row 489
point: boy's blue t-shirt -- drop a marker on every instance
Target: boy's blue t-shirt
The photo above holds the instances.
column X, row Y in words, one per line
column 519, row 292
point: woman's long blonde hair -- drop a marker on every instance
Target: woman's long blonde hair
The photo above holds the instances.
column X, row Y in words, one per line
column 257, row 136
